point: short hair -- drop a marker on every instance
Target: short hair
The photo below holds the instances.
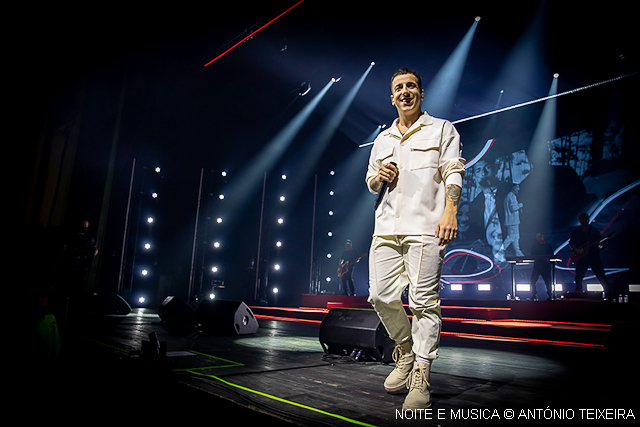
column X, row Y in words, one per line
column 402, row 71
column 583, row 215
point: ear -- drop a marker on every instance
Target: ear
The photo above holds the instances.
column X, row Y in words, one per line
column 422, row 94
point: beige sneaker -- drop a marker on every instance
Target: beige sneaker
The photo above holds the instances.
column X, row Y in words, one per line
column 404, row 358
column 418, row 385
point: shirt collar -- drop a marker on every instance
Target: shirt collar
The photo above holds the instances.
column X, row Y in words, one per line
column 424, row 120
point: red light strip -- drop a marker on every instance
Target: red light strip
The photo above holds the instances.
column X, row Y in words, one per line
column 474, row 308
column 300, row 309
column 250, row 35
column 465, row 319
column 289, row 319
column 456, row 334
column 597, row 325
column 532, row 340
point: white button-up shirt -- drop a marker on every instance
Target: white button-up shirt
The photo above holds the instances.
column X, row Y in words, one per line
column 429, row 157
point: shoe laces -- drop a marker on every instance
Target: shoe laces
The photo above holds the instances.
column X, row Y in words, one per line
column 398, row 354
column 418, row 379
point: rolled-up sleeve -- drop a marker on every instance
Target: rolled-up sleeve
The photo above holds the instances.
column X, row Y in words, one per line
column 451, row 164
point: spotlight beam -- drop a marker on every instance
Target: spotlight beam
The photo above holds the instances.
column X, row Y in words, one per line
column 539, row 156
column 523, row 104
column 441, row 92
column 251, row 35
column 249, row 180
column 327, row 130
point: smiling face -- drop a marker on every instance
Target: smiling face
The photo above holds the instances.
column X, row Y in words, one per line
column 406, row 95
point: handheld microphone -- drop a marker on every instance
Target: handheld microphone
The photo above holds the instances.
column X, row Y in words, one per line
column 381, row 191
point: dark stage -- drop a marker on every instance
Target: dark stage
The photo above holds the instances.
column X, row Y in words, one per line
column 188, row 152
column 566, row 361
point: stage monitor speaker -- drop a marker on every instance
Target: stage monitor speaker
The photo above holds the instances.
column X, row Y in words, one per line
column 174, row 311
column 344, row 330
column 108, row 303
column 223, row 317
column 579, row 295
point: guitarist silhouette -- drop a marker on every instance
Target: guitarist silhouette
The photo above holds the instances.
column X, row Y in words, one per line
column 345, row 267
column 585, row 244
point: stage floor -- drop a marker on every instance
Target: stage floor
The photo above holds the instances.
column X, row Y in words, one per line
column 278, row 376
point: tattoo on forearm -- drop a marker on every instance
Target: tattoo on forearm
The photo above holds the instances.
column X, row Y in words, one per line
column 453, row 194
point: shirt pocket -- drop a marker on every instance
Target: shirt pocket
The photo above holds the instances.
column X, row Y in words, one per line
column 384, row 156
column 425, row 153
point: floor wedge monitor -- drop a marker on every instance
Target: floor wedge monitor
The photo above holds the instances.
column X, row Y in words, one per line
column 225, row 317
column 352, row 332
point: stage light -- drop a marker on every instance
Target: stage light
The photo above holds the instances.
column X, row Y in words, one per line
column 212, row 296
column 333, row 79
column 329, row 234
column 282, row 198
column 157, row 169
column 523, row 287
column 224, row 173
column 276, row 267
column 484, row 287
column 144, row 272
column 150, row 220
column 214, row 269
column 275, row 290
column 558, row 287
column 634, row 288
column 594, row 287
column 221, row 197
column 332, row 173
column 280, row 220
column 216, row 244
column 147, row 246
column 478, row 19
column 331, row 193
column 373, row 63
column 141, row 300
column 328, row 255
column 154, row 195
column 284, row 176
column 219, row 220
column 330, row 213
column 456, row 287
column 328, row 279
column 279, row 244
column 556, row 75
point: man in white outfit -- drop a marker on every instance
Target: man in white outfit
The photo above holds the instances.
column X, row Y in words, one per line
column 414, row 222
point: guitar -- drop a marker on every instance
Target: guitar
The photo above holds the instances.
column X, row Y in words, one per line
column 577, row 253
column 344, row 267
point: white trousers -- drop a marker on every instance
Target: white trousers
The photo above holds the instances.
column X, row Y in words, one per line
column 416, row 261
